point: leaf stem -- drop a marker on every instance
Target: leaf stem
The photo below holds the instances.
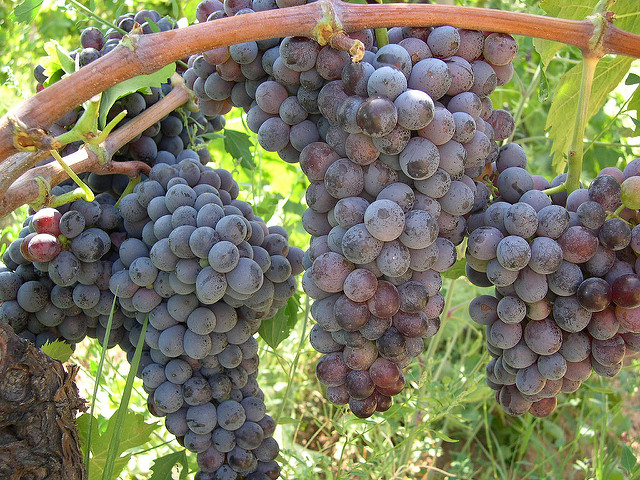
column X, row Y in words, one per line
column 576, row 151
column 96, row 385
column 129, row 189
column 557, row 189
column 87, row 191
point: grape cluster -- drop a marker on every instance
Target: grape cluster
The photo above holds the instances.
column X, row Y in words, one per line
column 390, row 145
column 61, row 265
column 565, row 271
column 206, row 272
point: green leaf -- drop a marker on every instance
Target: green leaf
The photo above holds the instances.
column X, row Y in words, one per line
column 134, row 84
column 267, row 206
column 457, row 271
column 574, row 10
column 632, row 79
column 561, row 118
column 58, row 350
column 628, row 459
column 26, row 11
column 239, row 146
column 276, row 329
column 627, row 18
column 162, row 467
column 135, row 432
column 445, row 437
column 634, row 105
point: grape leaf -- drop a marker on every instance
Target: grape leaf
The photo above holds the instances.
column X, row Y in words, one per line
column 276, row 329
column 239, row 145
column 131, row 85
column 626, row 11
column 457, row 271
column 57, row 62
column 628, row 460
column 575, row 10
column 162, row 467
column 26, row 11
column 135, row 432
column 561, row 118
column 58, row 350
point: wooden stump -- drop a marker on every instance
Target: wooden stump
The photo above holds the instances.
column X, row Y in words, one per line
column 38, row 405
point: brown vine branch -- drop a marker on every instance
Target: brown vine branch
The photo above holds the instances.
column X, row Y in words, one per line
column 28, row 187
column 152, row 52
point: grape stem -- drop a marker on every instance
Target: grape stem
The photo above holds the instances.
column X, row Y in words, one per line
column 129, row 189
column 557, row 189
column 90, row 158
column 576, row 152
column 89, row 13
column 153, row 51
column 87, row 191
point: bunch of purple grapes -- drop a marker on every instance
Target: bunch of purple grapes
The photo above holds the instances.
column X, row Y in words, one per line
column 565, row 271
column 206, row 271
column 56, row 280
column 390, row 145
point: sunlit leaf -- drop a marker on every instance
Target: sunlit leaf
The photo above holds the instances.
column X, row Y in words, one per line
column 26, row 11
column 561, row 118
column 239, row 146
column 457, row 271
column 627, row 18
column 58, row 350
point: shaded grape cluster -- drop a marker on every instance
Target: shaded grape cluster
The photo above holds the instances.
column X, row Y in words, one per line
column 61, row 265
column 565, row 272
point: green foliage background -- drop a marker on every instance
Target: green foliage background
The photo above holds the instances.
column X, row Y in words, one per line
column 447, row 425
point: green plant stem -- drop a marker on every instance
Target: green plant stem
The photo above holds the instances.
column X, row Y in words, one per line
column 112, row 453
column 382, row 34
column 576, row 152
column 557, row 189
column 535, row 80
column 129, row 189
column 87, row 191
column 294, row 365
column 96, row 385
column 98, row 18
column 72, row 196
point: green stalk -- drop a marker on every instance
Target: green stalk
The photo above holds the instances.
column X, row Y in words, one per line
column 129, row 189
column 112, row 452
column 576, row 152
column 294, row 365
column 87, row 191
column 96, row 384
column 557, row 189
column 535, row 80
column 382, row 34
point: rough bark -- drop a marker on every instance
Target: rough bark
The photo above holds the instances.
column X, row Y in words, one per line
column 38, row 405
